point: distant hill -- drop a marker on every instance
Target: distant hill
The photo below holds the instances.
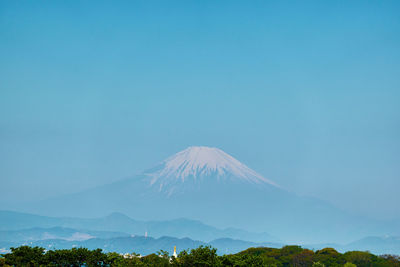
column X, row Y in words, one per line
column 375, row 244
column 121, row 224
column 69, row 234
column 228, row 245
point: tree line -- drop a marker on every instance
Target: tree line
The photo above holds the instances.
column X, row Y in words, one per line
column 200, row 257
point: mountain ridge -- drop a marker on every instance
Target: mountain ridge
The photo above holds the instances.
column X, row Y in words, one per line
column 120, row 223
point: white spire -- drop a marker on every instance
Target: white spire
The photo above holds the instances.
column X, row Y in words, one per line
column 175, row 255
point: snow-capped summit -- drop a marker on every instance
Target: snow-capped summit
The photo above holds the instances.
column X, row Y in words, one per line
column 199, row 162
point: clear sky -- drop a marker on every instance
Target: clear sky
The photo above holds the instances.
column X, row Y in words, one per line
column 306, row 93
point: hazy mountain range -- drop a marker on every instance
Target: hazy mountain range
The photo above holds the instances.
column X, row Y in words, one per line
column 114, row 225
column 52, row 233
column 57, row 233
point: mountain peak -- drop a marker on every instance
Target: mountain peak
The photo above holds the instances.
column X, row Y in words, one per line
column 197, row 162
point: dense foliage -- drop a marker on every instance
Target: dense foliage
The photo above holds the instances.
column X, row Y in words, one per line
column 202, row 256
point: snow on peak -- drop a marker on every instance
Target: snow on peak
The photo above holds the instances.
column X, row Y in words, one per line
column 200, row 161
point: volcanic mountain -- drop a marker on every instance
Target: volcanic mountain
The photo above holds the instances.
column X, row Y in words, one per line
column 207, row 184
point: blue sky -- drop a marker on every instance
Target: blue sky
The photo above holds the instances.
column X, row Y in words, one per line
column 304, row 92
